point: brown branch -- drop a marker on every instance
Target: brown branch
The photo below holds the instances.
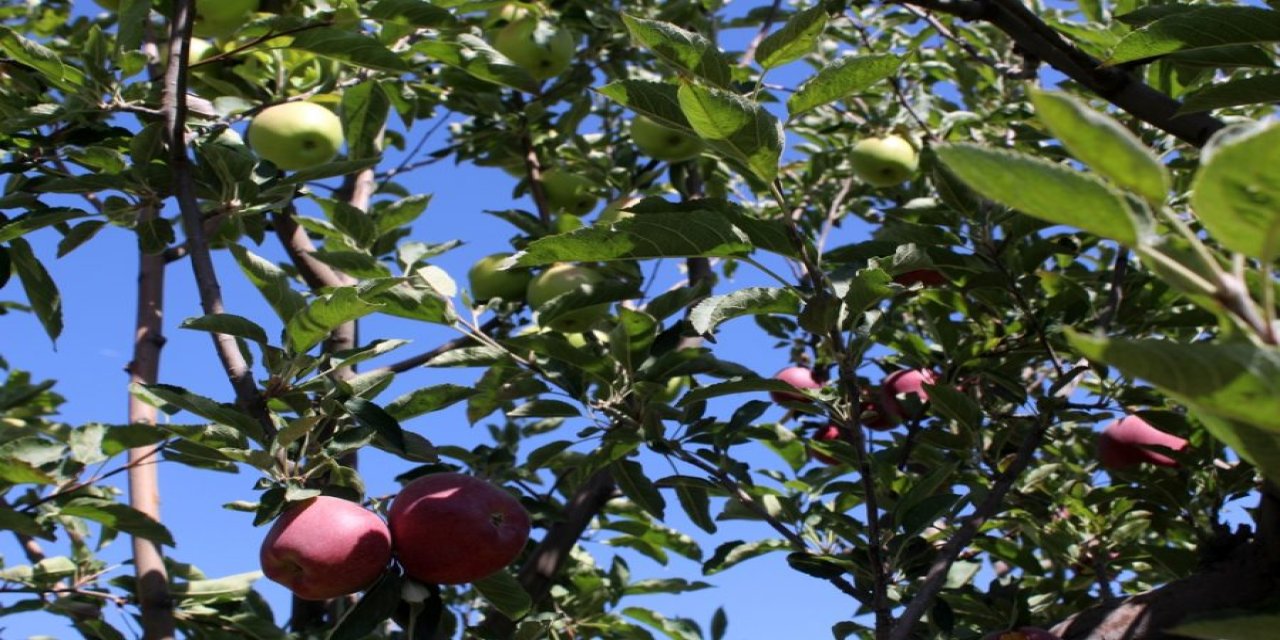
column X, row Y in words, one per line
column 1115, row 85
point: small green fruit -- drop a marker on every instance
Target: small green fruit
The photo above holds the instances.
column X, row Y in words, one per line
column 568, row 193
column 661, row 142
column 884, row 162
column 539, row 47
column 488, row 282
column 560, row 279
column 296, row 135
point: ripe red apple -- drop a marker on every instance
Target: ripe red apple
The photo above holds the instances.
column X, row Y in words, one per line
column 450, row 528
column 825, row 434
column 1025, row 633
column 1125, row 443
column 326, row 547
column 903, row 382
column 798, row 377
column 925, row 277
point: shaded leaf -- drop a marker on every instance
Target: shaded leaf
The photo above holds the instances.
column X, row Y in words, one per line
column 840, row 79
column 710, row 313
column 310, row 326
column 427, row 399
column 348, row 46
column 1202, row 28
column 734, row 126
column 1261, row 89
column 41, row 291
column 794, row 40
column 682, row 49
column 229, row 324
column 1236, row 193
column 120, row 517
column 504, row 592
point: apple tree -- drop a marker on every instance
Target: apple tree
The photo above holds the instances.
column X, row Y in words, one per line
column 974, row 234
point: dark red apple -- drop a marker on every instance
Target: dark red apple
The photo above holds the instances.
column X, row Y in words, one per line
column 450, row 528
column 325, row 548
column 825, row 434
column 1025, row 633
column 798, row 377
column 898, row 383
column 1127, row 441
column 873, row 416
column 925, row 277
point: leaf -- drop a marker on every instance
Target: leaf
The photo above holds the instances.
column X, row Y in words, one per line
column 480, row 60
column 1230, row 627
column 19, row 472
column 160, row 394
column 1199, row 29
column 227, row 588
column 585, row 296
column 840, row 79
column 120, row 517
column 1235, row 381
column 1258, row 447
column 1260, row 89
column 374, row 417
column 657, row 100
column 310, row 326
column 271, row 281
column 734, row 126
column 731, row 553
column 350, row 47
column 40, row 288
column 710, row 313
column 426, row 400
column 733, row 387
column 1042, row 189
column 682, row 49
column 697, row 505
column 677, row 629
column 794, row 40
column 414, row 12
column 373, row 609
column 364, row 113
column 28, row 222
column 21, row 523
column 1236, row 192
column 544, row 409
column 229, row 324
column 43, row 60
column 504, row 592
column 636, row 485
column 667, row 585
column 651, row 235
column 1105, row 145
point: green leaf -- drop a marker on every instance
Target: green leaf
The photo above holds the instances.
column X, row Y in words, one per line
column 840, row 79
column 682, row 49
column 657, row 100
column 710, row 313
column 1199, row 29
column 372, row 610
column 427, row 399
column 651, row 235
column 636, row 485
column 79, row 235
column 29, row 222
column 11, row 520
column 377, row 418
column 1232, row 626
column 364, row 112
column 43, row 60
column 1258, row 447
column 1236, row 381
column 731, row 553
column 794, row 40
column 667, row 585
column 585, row 296
column 19, row 472
column 544, row 409
column 1104, row 145
column 231, row 588
column 1236, row 193
column 1041, row 189
column 504, row 592
column 480, row 60
column 734, row 126
column 120, row 517
column 309, row 327
column 1260, row 89
column 350, row 47
column 414, row 12
column 158, row 395
column 675, row 629
column 229, row 324
column 696, row 503
column 271, row 281
column 41, row 291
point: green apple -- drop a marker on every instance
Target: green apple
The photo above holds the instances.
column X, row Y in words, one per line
column 488, row 282
column 661, row 142
column 560, row 279
column 537, row 46
column 221, row 18
column 511, row 12
column 296, row 135
column 884, row 162
column 568, row 193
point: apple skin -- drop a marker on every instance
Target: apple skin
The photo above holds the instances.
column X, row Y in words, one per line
column 1124, row 443
column 559, row 279
column 884, row 162
column 661, row 142
column 325, row 548
column 569, row 193
column 537, row 46
column 826, row 434
column 450, row 528
column 902, row 382
column 221, row 18
column 1024, row 633
column 488, row 282
column 874, row 417
column 296, row 135
column 798, row 377
column 925, row 277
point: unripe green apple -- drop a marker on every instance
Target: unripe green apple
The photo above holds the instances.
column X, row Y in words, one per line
column 884, row 162
column 296, row 135
column 221, row 18
column 661, row 142
column 537, row 46
column 560, row 279
column 488, row 282
column 569, row 193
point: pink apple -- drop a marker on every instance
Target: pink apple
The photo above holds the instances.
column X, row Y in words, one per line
column 450, row 528
column 326, row 547
column 926, row 277
column 798, row 377
column 904, row 382
column 826, row 434
column 873, row 416
column 1127, row 441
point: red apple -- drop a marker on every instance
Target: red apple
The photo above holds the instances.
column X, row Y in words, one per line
column 1125, row 443
column 450, row 528
column 873, row 416
column 798, row 377
column 926, row 277
column 1025, row 633
column 904, row 382
column 825, row 434
column 326, row 547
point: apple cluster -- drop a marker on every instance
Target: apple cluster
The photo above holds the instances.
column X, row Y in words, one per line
column 442, row 528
